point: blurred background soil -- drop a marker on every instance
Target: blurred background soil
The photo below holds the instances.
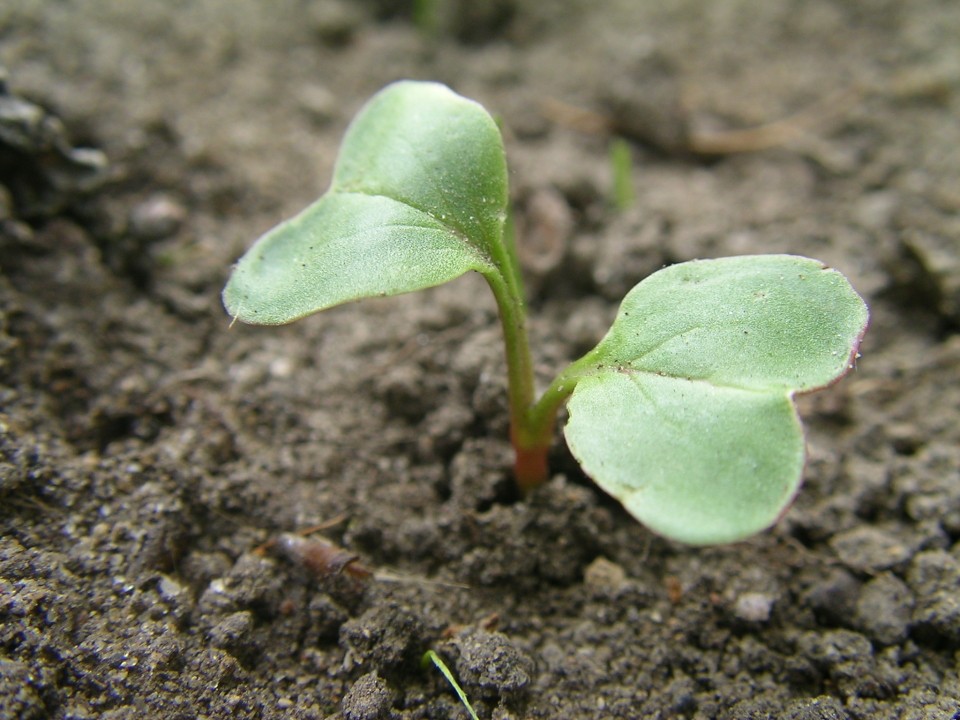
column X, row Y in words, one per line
column 148, row 450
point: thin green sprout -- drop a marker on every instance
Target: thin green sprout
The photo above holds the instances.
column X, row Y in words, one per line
column 431, row 657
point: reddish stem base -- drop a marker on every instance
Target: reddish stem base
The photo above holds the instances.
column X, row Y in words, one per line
column 530, row 467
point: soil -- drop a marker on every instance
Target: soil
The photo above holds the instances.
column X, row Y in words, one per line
column 149, row 451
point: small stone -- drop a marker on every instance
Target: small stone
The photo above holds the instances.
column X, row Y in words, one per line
column 169, row 589
column 602, row 574
column 871, row 549
column 157, row 218
column 753, row 607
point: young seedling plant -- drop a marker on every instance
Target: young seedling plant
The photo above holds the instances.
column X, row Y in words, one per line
column 683, row 412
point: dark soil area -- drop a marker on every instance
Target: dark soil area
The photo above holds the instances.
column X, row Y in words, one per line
column 148, row 451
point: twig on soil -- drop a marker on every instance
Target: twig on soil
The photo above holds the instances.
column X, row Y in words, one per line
column 387, row 576
column 774, row 134
column 323, row 559
column 716, row 142
column 317, row 554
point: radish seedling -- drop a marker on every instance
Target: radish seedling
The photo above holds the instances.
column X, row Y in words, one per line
column 684, row 412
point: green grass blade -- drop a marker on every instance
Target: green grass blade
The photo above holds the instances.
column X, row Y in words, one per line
column 431, row 657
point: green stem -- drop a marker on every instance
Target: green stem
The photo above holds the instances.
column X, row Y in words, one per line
column 530, row 444
column 426, row 16
column 542, row 414
column 621, row 164
column 531, row 420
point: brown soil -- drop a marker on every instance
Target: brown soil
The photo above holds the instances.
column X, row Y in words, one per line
column 147, row 450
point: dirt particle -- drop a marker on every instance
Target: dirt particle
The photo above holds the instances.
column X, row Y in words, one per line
column 370, row 698
column 884, row 609
column 753, row 607
column 491, row 666
column 335, row 23
column 847, row 658
column 19, row 698
column 821, row 708
column 832, row 596
column 870, row 548
column 234, row 634
column 934, row 577
column 157, row 217
column 251, row 584
column 605, row 576
column 326, row 617
column 386, row 637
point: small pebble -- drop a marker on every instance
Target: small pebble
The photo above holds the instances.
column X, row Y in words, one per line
column 168, row 588
column 602, row 574
column 871, row 549
column 157, row 218
column 753, row 607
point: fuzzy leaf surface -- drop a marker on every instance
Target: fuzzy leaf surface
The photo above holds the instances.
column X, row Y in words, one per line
column 684, row 411
column 418, row 198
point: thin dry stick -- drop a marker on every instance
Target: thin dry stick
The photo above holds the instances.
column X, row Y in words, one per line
column 775, row 134
column 716, row 142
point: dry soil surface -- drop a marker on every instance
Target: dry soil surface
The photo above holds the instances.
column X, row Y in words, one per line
column 148, row 450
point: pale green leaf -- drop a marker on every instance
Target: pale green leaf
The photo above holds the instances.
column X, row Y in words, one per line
column 683, row 411
column 424, row 145
column 690, row 460
column 418, row 198
column 759, row 322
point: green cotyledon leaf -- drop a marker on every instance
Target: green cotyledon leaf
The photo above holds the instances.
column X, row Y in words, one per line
column 684, row 411
column 418, row 198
